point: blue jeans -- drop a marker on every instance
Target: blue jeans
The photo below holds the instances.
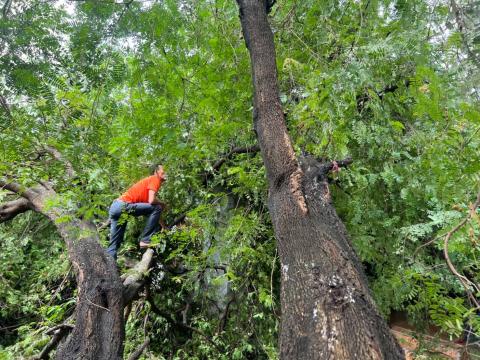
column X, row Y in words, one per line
column 117, row 228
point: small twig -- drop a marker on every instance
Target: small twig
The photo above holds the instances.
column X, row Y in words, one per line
column 60, row 286
column 92, row 303
column 427, row 243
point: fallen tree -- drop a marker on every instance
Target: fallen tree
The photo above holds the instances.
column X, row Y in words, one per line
column 98, row 332
column 104, row 297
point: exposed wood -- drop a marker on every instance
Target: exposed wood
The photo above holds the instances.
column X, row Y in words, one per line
column 327, row 309
column 99, row 328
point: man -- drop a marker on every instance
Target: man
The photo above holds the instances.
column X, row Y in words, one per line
column 138, row 200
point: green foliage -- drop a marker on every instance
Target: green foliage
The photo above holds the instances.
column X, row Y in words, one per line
column 115, row 88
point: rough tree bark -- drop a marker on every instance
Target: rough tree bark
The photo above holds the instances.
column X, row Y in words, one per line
column 327, row 308
column 99, row 328
column 99, row 325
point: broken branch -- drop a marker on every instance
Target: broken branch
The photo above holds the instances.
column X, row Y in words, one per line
column 59, row 332
column 12, row 208
column 136, row 279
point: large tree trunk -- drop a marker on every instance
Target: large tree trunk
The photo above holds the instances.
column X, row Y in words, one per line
column 98, row 333
column 327, row 308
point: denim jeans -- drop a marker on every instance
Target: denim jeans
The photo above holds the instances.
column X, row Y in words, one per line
column 117, row 227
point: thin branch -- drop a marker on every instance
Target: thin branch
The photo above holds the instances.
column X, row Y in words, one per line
column 427, row 243
column 464, row 280
column 364, row 98
column 177, row 324
column 54, row 329
column 137, row 353
column 223, row 319
column 58, row 156
column 59, row 332
column 208, row 174
column 60, row 287
column 6, row 8
column 96, row 305
column 237, row 150
column 126, row 312
column 4, row 105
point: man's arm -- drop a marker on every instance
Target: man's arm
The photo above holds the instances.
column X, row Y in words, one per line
column 152, row 199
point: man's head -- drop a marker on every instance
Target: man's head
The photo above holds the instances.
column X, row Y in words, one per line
column 157, row 169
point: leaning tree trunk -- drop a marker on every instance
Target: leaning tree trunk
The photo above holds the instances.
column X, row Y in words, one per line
column 98, row 333
column 327, row 308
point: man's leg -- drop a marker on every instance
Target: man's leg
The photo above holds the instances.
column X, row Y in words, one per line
column 117, row 230
column 153, row 212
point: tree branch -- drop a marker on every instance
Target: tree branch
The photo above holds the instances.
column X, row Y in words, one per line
column 137, row 353
column 208, row 174
column 326, row 167
column 58, row 156
column 462, row 27
column 59, row 332
column 12, row 208
column 136, row 279
column 12, row 186
column 364, row 98
column 4, row 104
column 178, row 324
column 237, row 150
column 463, row 279
column 6, row 8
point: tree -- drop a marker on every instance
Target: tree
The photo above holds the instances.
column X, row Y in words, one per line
column 98, row 332
column 114, row 86
column 327, row 309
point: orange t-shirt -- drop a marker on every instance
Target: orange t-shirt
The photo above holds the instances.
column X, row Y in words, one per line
column 138, row 193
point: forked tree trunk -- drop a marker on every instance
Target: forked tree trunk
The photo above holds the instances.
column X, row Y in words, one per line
column 327, row 308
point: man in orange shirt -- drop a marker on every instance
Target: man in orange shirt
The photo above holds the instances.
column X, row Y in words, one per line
column 139, row 200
